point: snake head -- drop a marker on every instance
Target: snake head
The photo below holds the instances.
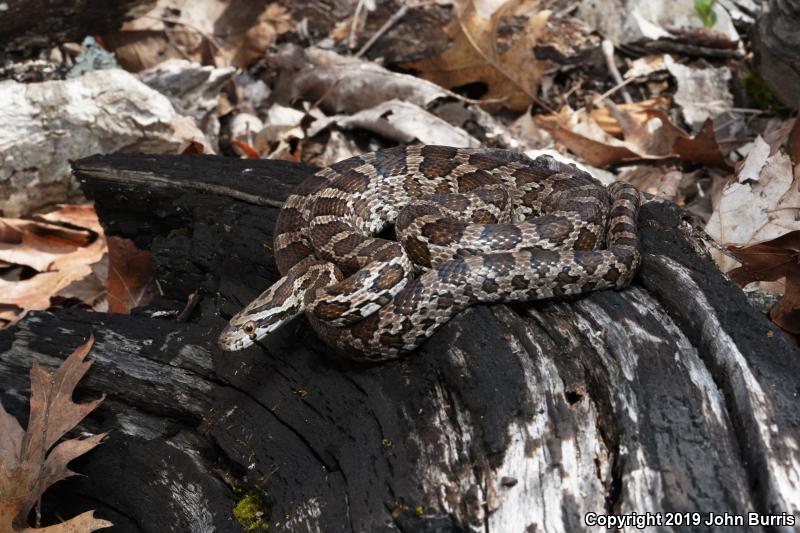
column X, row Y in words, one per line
column 277, row 305
column 264, row 315
column 238, row 337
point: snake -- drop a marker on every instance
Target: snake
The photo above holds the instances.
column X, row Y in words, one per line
column 470, row 225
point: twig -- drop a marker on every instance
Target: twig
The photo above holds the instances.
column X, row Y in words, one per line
column 614, row 89
column 351, row 39
column 400, row 13
column 608, row 52
column 567, row 94
column 191, row 303
column 746, row 110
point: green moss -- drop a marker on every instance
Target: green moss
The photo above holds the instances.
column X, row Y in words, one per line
column 758, row 91
column 251, row 512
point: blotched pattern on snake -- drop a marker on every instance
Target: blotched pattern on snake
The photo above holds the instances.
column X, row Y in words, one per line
column 473, row 225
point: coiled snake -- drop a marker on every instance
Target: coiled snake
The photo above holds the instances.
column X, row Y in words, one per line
column 475, row 225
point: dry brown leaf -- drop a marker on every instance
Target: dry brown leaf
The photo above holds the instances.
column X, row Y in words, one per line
column 648, row 135
column 34, row 251
column 81, row 216
column 10, row 315
column 511, row 76
column 660, row 181
column 274, row 21
column 29, row 462
column 131, row 276
column 608, row 122
column 248, row 151
column 191, row 147
column 596, row 153
column 34, row 293
column 83, row 523
column 218, row 32
column 12, row 231
column 60, row 248
column 770, row 261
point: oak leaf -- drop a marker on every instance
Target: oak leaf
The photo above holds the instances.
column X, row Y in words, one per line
column 29, row 461
column 64, row 247
column 770, row 261
column 512, row 75
column 131, row 276
column 648, row 135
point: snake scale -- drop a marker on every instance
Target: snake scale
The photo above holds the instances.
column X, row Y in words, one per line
column 472, row 225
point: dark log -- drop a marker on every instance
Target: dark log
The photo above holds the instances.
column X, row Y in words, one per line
column 776, row 43
column 671, row 396
column 27, row 25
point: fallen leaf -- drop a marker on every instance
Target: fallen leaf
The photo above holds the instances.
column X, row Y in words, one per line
column 274, row 21
column 131, row 276
column 12, row 231
column 247, row 150
column 34, row 293
column 79, row 216
column 10, row 315
column 192, row 89
column 702, row 93
column 403, row 122
column 512, row 76
column 29, row 461
column 703, row 148
column 83, row 523
column 770, row 261
column 758, row 208
column 337, row 147
column 218, row 32
column 638, row 110
column 344, row 84
column 281, row 130
column 191, row 147
column 32, row 250
column 64, row 246
column 649, row 135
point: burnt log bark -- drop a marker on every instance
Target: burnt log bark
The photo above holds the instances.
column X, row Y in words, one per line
column 673, row 395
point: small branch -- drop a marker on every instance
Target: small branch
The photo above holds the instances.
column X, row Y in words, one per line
column 608, row 52
column 614, row 89
column 351, row 40
column 400, row 13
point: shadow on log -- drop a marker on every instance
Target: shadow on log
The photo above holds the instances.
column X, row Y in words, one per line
column 671, row 396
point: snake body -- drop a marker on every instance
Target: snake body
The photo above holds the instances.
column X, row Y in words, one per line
column 473, row 225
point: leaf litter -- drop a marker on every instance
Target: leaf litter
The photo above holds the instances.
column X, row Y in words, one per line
column 63, row 256
column 30, row 459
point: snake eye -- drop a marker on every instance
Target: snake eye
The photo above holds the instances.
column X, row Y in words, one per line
column 249, row 327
